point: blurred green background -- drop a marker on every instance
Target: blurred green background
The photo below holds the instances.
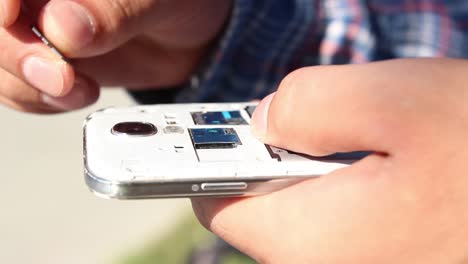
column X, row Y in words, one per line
column 187, row 239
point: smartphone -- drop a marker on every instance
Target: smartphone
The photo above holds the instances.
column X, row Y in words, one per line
column 189, row 150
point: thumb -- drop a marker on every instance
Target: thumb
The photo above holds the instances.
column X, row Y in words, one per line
column 84, row 28
column 329, row 109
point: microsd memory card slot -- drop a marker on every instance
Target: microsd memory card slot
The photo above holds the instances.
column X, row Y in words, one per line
column 214, row 138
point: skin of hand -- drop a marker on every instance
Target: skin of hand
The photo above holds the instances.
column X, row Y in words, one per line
column 407, row 203
column 131, row 43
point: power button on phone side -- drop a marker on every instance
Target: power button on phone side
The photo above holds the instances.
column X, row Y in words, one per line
column 224, row 186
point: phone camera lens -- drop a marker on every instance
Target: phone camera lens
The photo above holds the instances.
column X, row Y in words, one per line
column 134, row 129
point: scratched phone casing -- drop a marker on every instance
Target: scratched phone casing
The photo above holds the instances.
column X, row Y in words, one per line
column 198, row 150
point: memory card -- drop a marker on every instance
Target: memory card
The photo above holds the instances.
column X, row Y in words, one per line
column 214, row 138
column 41, row 36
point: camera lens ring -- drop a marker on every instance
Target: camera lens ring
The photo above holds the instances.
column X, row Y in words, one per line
column 134, row 129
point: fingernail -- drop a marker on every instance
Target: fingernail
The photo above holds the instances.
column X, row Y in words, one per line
column 46, row 75
column 80, row 96
column 259, row 123
column 68, row 23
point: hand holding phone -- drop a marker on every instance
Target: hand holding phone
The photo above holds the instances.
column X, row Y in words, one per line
column 189, row 150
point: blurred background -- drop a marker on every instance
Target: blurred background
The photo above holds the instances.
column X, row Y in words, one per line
column 49, row 216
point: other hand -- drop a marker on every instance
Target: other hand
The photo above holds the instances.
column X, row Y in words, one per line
column 132, row 43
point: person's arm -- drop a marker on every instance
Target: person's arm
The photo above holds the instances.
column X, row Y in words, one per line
column 406, row 203
column 265, row 40
column 258, row 47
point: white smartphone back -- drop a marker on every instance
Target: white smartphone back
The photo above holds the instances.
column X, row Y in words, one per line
column 187, row 150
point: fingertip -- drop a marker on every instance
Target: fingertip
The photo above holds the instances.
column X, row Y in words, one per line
column 68, row 24
column 9, row 11
column 200, row 212
column 50, row 75
column 259, row 122
column 69, row 78
column 83, row 93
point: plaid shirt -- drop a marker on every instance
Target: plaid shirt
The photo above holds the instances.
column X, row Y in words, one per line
column 267, row 39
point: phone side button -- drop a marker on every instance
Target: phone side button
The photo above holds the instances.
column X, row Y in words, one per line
column 224, row 186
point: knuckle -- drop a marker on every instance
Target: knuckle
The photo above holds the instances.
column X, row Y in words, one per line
column 18, row 91
column 26, row 108
column 122, row 11
column 126, row 7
